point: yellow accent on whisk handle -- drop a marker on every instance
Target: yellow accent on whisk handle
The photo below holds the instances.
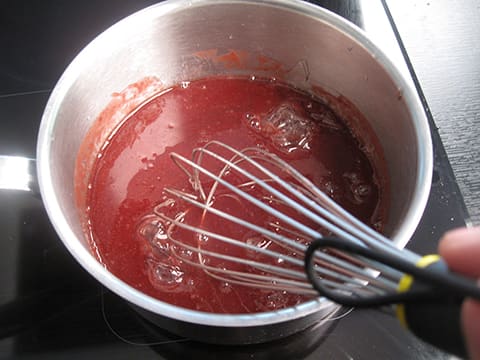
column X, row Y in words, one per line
column 406, row 282
column 436, row 321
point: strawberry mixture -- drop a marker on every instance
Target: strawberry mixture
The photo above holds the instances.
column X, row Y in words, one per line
column 132, row 171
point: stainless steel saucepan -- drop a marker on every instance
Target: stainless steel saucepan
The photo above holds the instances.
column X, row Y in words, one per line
column 182, row 40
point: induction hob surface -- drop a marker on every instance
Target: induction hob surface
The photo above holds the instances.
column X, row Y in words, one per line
column 50, row 307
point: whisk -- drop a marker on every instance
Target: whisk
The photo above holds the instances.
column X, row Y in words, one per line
column 300, row 240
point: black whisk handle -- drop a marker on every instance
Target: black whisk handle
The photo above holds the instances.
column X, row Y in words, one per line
column 436, row 320
column 429, row 298
column 433, row 279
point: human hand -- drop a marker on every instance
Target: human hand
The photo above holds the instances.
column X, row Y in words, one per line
column 460, row 249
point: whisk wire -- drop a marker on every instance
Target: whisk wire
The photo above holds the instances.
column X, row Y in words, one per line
column 346, row 226
column 340, row 267
column 347, row 273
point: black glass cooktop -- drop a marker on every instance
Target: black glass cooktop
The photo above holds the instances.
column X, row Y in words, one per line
column 50, row 307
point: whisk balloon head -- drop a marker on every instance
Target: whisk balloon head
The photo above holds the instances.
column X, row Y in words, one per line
column 250, row 217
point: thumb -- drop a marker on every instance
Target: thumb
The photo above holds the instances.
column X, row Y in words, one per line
column 460, row 248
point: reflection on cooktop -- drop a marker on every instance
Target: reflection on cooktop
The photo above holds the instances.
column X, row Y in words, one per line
column 169, row 346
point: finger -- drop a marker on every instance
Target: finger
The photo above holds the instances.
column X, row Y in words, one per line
column 471, row 327
column 461, row 250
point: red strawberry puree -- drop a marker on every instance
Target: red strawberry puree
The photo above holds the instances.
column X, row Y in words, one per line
column 134, row 168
